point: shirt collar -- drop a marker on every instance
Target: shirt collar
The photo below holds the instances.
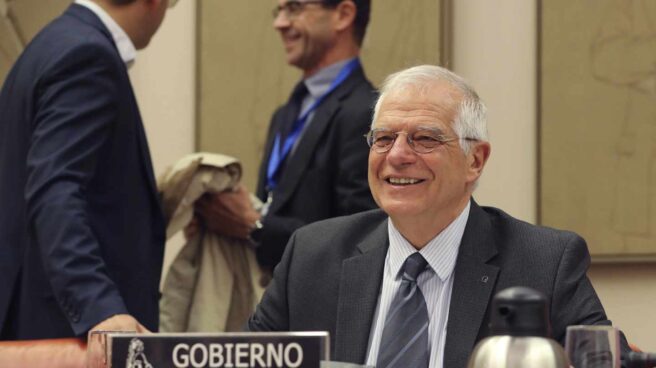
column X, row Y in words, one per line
column 320, row 82
column 441, row 252
column 123, row 43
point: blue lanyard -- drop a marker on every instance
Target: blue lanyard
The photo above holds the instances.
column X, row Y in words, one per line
column 278, row 155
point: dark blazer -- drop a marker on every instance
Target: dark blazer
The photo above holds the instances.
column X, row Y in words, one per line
column 330, row 277
column 81, row 229
column 326, row 176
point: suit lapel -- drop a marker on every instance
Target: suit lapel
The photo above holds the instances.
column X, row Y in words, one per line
column 359, row 287
column 473, row 283
column 298, row 162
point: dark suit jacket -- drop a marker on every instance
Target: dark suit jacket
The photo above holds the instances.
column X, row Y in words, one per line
column 81, row 229
column 330, row 277
column 326, row 176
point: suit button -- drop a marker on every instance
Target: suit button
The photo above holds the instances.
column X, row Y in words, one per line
column 75, row 317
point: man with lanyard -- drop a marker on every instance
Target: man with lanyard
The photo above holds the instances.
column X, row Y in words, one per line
column 315, row 159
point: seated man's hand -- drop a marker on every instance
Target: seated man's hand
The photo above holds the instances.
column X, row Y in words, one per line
column 229, row 213
column 120, row 322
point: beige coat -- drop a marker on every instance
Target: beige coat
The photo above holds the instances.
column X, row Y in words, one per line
column 213, row 283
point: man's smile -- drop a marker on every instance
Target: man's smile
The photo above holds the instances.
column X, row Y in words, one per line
column 403, row 181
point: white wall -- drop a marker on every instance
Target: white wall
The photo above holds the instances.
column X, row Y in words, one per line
column 164, row 81
column 495, row 48
column 629, row 295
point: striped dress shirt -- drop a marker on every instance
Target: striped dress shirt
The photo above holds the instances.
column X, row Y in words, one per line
column 435, row 283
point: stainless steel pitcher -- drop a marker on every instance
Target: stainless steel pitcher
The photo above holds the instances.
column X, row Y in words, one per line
column 520, row 332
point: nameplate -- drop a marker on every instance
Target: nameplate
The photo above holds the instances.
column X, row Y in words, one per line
column 223, row 350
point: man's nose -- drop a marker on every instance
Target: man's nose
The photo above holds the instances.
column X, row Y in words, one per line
column 401, row 152
column 281, row 20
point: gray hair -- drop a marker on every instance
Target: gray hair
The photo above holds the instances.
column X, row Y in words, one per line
column 471, row 118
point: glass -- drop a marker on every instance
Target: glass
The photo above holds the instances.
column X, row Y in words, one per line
column 593, row 346
column 421, row 140
column 292, row 8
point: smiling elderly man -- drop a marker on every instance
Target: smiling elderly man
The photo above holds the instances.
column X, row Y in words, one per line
column 409, row 285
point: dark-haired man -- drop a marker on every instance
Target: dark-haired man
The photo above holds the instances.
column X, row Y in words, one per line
column 315, row 163
column 81, row 230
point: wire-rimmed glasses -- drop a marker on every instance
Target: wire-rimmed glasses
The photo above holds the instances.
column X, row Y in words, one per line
column 291, row 9
column 423, row 140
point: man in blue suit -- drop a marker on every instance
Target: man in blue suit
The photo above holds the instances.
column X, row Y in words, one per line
column 81, row 228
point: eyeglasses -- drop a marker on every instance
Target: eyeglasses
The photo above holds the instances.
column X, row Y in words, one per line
column 293, row 8
column 421, row 141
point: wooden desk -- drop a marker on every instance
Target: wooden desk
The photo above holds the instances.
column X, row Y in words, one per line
column 53, row 353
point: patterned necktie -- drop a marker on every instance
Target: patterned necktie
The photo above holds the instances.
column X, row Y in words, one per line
column 405, row 336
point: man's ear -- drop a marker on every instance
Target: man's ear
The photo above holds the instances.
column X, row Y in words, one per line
column 345, row 14
column 477, row 158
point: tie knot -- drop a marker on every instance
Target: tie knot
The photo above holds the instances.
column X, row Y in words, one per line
column 299, row 92
column 413, row 266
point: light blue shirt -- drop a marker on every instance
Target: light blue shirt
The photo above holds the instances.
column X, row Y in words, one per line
column 123, row 43
column 435, row 283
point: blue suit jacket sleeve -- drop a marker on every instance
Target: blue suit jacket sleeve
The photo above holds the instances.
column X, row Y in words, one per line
column 76, row 107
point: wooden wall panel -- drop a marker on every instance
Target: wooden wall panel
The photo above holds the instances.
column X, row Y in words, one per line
column 598, row 123
column 24, row 18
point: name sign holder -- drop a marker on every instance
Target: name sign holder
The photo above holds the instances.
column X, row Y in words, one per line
column 108, row 349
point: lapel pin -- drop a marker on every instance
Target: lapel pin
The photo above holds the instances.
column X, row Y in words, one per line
column 484, row 278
